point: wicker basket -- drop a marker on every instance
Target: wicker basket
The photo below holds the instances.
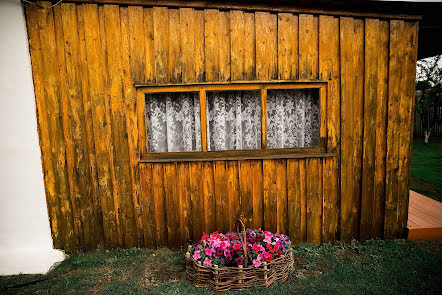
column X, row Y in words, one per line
column 222, row 279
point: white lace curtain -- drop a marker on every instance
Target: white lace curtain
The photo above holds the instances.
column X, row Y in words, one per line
column 292, row 118
column 173, row 122
column 233, row 120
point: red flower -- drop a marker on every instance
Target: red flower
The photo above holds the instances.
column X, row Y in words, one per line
column 204, row 237
column 236, row 246
column 234, row 237
column 275, row 248
column 279, row 252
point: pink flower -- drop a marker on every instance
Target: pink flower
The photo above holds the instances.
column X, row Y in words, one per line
column 257, row 262
column 208, row 252
column 267, row 239
column 196, row 255
column 258, row 247
column 208, row 261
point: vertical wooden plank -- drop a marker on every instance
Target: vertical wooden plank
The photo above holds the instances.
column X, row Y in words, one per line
column 266, row 46
column 100, row 124
column 49, row 169
column 161, row 44
column 96, row 238
column 251, row 193
column 237, row 45
column 212, row 44
column 281, row 196
column 137, row 43
column 234, row 202
column 208, row 196
column 183, row 215
column 131, row 114
column 352, row 48
column 270, row 195
column 372, row 45
column 249, row 46
column 196, row 200
column 149, row 49
column 308, row 46
column 187, row 31
column 118, row 124
column 200, row 45
column 329, row 70
column 303, row 190
column 52, row 94
column 221, row 197
column 314, row 200
column 224, row 46
column 294, row 201
column 174, row 46
column 287, row 46
column 381, row 130
column 394, row 96
column 148, row 198
column 110, row 147
column 68, row 123
column 257, row 193
column 158, row 190
column 409, row 40
column 171, row 203
column 246, row 192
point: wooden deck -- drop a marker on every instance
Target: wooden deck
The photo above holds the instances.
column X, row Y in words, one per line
column 424, row 217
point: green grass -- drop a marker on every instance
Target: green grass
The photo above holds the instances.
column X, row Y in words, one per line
column 426, row 167
column 373, row 267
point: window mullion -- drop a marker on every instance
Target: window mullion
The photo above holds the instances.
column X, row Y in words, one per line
column 264, row 118
column 203, row 120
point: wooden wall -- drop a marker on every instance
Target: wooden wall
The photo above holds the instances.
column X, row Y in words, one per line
column 86, row 57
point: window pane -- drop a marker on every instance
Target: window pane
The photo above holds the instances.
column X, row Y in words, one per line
column 173, row 122
column 292, row 118
column 233, row 120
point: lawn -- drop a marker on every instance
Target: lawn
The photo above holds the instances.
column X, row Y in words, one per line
column 426, row 167
column 372, row 267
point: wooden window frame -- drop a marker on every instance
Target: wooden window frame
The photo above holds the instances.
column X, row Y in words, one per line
column 205, row 155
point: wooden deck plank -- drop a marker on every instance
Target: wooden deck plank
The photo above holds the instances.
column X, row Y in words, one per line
column 424, row 217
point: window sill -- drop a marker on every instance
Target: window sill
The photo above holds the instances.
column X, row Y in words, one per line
column 231, row 155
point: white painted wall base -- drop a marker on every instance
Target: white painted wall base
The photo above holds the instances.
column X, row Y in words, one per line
column 28, row 260
column 25, row 237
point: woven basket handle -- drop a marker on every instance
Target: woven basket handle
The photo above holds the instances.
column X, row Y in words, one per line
column 239, row 223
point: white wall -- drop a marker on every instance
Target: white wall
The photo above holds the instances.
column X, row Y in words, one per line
column 25, row 239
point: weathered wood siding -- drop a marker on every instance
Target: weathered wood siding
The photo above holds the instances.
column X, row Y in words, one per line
column 86, row 57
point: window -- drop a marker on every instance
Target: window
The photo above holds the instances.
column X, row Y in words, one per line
column 292, row 118
column 244, row 120
column 173, row 122
column 233, row 120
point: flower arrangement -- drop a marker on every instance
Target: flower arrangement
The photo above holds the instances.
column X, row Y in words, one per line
column 219, row 249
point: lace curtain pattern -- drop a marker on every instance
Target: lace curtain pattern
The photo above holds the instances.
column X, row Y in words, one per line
column 292, row 118
column 173, row 122
column 233, row 120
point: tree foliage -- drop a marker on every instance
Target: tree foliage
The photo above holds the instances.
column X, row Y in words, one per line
column 429, row 93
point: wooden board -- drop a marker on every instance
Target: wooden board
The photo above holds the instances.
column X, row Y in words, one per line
column 352, row 56
column 424, row 217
